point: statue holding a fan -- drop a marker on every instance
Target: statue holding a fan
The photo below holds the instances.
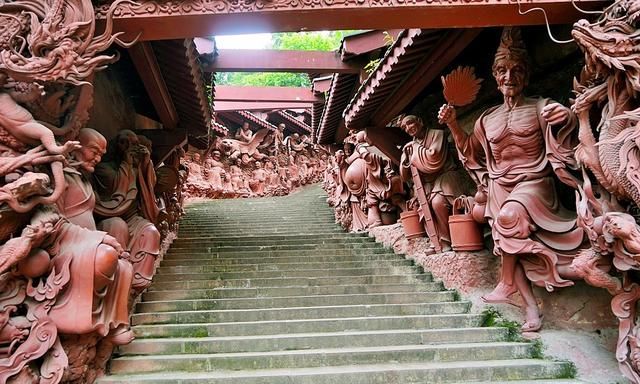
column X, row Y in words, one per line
column 516, row 153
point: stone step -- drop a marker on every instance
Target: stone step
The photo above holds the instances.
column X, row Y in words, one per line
column 204, row 260
column 389, row 373
column 276, row 247
column 288, row 273
column 295, row 301
column 223, row 242
column 291, row 281
column 213, row 266
column 257, row 228
column 219, row 293
column 277, row 237
column 202, row 362
column 223, row 218
column 284, row 244
column 303, row 341
column 317, row 312
column 231, row 253
column 273, row 327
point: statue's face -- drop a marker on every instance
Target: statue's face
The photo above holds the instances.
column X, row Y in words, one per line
column 258, row 164
column 412, row 127
column 511, row 76
column 90, row 155
column 126, row 140
column 196, row 157
column 216, row 155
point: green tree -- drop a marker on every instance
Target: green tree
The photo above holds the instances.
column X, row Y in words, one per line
column 303, row 41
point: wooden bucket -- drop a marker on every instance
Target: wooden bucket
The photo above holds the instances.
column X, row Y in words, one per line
column 412, row 225
column 466, row 234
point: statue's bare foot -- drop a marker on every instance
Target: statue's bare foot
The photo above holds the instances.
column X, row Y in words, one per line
column 533, row 320
column 501, row 294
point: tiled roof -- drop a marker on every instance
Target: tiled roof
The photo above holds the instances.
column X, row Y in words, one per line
column 341, row 90
column 402, row 58
column 178, row 61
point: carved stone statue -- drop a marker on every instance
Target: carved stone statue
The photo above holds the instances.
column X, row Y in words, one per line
column 384, row 189
column 124, row 183
column 244, row 133
column 215, row 173
column 195, row 169
column 442, row 181
column 355, row 179
column 245, row 150
column 238, row 181
column 258, row 179
column 513, row 153
column 607, row 88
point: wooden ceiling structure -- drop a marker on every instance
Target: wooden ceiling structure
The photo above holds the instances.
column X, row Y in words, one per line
column 340, row 99
column 162, row 20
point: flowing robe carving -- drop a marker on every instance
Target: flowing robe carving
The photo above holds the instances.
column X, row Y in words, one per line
column 548, row 237
column 441, row 179
column 125, row 192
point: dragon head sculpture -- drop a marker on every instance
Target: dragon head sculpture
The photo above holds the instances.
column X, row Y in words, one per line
column 612, row 42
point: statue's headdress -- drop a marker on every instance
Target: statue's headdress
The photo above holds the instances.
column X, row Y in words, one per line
column 512, row 47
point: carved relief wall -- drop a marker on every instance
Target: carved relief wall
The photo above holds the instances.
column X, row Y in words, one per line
column 554, row 181
column 253, row 164
column 82, row 217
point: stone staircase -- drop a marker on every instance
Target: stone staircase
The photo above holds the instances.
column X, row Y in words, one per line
column 271, row 291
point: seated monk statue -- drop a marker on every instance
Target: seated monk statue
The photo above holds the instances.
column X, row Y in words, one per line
column 124, row 182
column 195, row 170
column 244, row 133
column 97, row 300
column 442, row 180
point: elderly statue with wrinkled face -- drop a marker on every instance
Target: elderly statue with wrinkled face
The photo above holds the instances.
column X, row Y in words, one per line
column 515, row 153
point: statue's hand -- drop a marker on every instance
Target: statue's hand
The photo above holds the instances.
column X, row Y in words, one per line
column 447, row 114
column 70, row 146
column 555, row 114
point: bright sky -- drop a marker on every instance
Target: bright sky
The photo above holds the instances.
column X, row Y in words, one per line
column 252, row 41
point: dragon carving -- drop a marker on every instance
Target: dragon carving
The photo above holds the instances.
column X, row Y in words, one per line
column 608, row 88
column 49, row 51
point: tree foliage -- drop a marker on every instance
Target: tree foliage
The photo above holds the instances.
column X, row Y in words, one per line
column 303, row 41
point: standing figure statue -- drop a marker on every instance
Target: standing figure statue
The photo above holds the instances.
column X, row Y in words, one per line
column 428, row 157
column 514, row 154
column 125, row 181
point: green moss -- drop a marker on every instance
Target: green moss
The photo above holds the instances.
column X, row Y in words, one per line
column 199, row 332
column 569, row 371
column 491, row 317
column 537, row 349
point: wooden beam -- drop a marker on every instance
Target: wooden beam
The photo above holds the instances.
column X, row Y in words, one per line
column 366, row 42
column 144, row 59
column 264, row 94
column 273, row 60
column 159, row 19
column 322, row 84
column 224, row 106
column 429, row 69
